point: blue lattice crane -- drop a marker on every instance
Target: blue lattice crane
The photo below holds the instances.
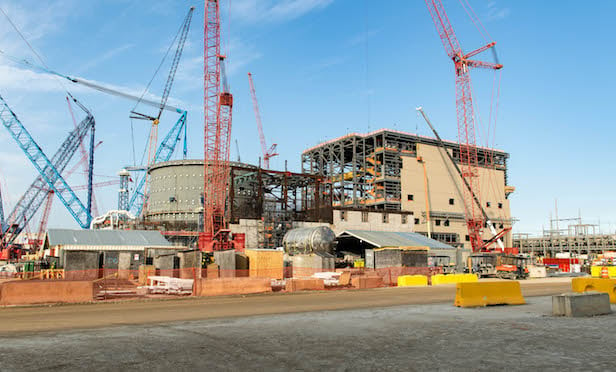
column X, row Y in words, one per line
column 1, row 214
column 163, row 153
column 153, row 140
column 49, row 170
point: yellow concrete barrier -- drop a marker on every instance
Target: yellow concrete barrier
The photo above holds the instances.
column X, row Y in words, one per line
column 412, row 280
column 593, row 284
column 488, row 293
column 595, row 271
column 453, row 278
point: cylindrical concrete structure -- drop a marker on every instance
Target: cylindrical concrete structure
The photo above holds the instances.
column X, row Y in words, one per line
column 175, row 192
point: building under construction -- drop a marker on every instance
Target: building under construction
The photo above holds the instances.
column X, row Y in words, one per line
column 266, row 200
column 392, row 172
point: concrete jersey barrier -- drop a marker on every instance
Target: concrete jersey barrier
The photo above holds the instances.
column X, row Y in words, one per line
column 412, row 281
column 488, row 293
column 454, row 278
column 608, row 286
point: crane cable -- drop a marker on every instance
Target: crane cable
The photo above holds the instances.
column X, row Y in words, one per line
column 21, row 35
column 476, row 21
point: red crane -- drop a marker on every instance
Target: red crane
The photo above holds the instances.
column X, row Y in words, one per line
column 218, row 104
column 43, row 223
column 465, row 115
column 267, row 154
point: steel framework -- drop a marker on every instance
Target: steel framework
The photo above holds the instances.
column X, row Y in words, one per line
column 50, row 177
column 218, row 105
column 364, row 169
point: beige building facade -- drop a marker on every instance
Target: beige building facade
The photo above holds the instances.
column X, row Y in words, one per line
column 444, row 190
column 384, row 171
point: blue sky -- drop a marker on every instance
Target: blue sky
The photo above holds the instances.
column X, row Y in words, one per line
column 323, row 68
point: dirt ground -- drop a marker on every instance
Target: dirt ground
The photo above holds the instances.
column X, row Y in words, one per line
column 409, row 337
column 61, row 317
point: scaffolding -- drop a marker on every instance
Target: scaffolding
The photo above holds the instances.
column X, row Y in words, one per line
column 577, row 237
column 363, row 170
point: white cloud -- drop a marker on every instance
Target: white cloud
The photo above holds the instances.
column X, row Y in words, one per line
column 27, row 81
column 35, row 20
column 362, row 37
column 240, row 54
column 104, row 57
column 495, row 12
column 252, row 11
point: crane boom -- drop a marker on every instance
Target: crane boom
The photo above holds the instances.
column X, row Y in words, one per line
column 218, row 107
column 465, row 115
column 1, row 214
column 84, row 155
column 95, row 86
column 44, row 219
column 464, row 180
column 153, row 138
column 164, row 153
column 267, row 153
column 176, row 60
column 49, row 170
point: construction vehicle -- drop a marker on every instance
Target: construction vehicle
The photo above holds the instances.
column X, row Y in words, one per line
column 512, row 267
column 482, row 264
column 444, row 262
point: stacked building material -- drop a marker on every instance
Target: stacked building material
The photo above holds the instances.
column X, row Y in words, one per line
column 265, row 263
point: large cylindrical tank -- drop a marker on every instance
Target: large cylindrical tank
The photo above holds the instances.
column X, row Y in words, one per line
column 309, row 240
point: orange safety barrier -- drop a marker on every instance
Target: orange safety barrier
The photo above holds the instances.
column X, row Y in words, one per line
column 28, row 292
column 304, row 284
column 113, row 283
column 231, row 286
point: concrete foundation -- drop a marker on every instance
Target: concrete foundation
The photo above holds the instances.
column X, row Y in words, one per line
column 305, row 265
column 190, row 264
column 226, row 263
column 581, row 304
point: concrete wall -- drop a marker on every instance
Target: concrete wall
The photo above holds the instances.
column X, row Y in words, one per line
column 371, row 221
column 226, row 263
column 249, row 227
column 190, row 264
column 305, row 265
column 175, row 191
column 444, row 184
column 353, row 220
column 81, row 265
column 399, row 258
